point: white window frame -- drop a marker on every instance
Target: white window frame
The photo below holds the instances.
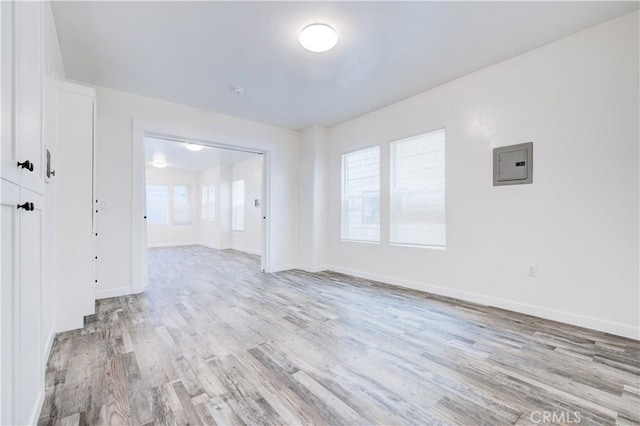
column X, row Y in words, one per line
column 238, row 206
column 346, row 198
column 188, row 220
column 167, row 206
column 207, row 205
column 393, row 188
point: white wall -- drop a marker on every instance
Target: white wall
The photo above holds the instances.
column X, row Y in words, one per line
column 165, row 235
column 312, row 196
column 217, row 233
column 116, row 110
column 250, row 239
column 577, row 100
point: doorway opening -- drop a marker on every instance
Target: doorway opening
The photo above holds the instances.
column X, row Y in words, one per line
column 196, row 196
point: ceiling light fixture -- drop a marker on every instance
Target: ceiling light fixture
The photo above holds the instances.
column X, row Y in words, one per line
column 318, row 37
column 159, row 161
column 194, row 147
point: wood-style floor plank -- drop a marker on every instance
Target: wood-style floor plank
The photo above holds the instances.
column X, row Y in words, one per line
column 213, row 341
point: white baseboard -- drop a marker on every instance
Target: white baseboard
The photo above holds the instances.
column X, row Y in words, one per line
column 286, row 267
column 214, row 246
column 219, row 247
column 510, row 305
column 157, row 245
column 312, row 268
column 48, row 344
column 37, row 408
column 113, row 292
column 246, row 250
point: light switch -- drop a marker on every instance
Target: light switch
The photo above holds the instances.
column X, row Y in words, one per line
column 513, row 164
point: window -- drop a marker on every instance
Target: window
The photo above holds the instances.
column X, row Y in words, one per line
column 181, row 204
column 237, row 205
column 208, row 202
column 157, row 203
column 418, row 190
column 361, row 195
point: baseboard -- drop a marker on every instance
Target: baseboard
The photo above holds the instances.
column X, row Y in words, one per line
column 158, row 245
column 246, row 250
column 285, row 267
column 219, row 247
column 113, row 292
column 551, row 314
column 214, row 246
column 37, row 408
column 49, row 343
column 311, row 268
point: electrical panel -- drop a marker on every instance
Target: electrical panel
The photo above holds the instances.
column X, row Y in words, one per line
column 513, row 165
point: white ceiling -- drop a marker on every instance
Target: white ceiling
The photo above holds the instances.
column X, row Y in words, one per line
column 180, row 158
column 192, row 53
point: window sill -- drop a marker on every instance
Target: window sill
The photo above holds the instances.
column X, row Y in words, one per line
column 418, row 246
column 361, row 242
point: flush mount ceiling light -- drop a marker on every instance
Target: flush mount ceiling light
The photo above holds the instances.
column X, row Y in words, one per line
column 159, row 161
column 318, row 37
column 193, row 147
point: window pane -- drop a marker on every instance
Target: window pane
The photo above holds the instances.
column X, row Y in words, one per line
column 181, row 204
column 237, row 205
column 157, row 203
column 208, row 201
column 418, row 190
column 204, row 203
column 361, row 195
column 212, row 202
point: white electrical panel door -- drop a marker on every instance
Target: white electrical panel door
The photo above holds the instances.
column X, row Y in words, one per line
column 513, row 165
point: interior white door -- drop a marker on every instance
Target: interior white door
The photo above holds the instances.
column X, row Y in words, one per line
column 9, row 199
column 27, row 49
column 29, row 364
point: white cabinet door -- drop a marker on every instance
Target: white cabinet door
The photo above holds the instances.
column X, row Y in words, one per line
column 27, row 56
column 75, row 205
column 8, row 169
column 28, row 364
column 9, row 199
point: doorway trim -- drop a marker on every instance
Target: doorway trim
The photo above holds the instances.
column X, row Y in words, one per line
column 140, row 129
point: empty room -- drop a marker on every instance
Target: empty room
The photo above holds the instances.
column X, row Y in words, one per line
column 320, row 213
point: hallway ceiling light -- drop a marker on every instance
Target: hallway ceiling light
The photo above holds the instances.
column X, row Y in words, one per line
column 193, row 147
column 318, row 37
column 159, row 161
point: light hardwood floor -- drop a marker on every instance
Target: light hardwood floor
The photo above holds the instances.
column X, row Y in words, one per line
column 214, row 341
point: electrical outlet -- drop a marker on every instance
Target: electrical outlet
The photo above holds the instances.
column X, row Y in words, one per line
column 533, row 270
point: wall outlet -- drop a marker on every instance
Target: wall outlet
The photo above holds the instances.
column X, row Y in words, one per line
column 533, row 270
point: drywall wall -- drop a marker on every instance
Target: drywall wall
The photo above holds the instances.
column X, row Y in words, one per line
column 216, row 233
column 577, row 100
column 312, row 196
column 116, row 112
column 170, row 234
column 250, row 239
